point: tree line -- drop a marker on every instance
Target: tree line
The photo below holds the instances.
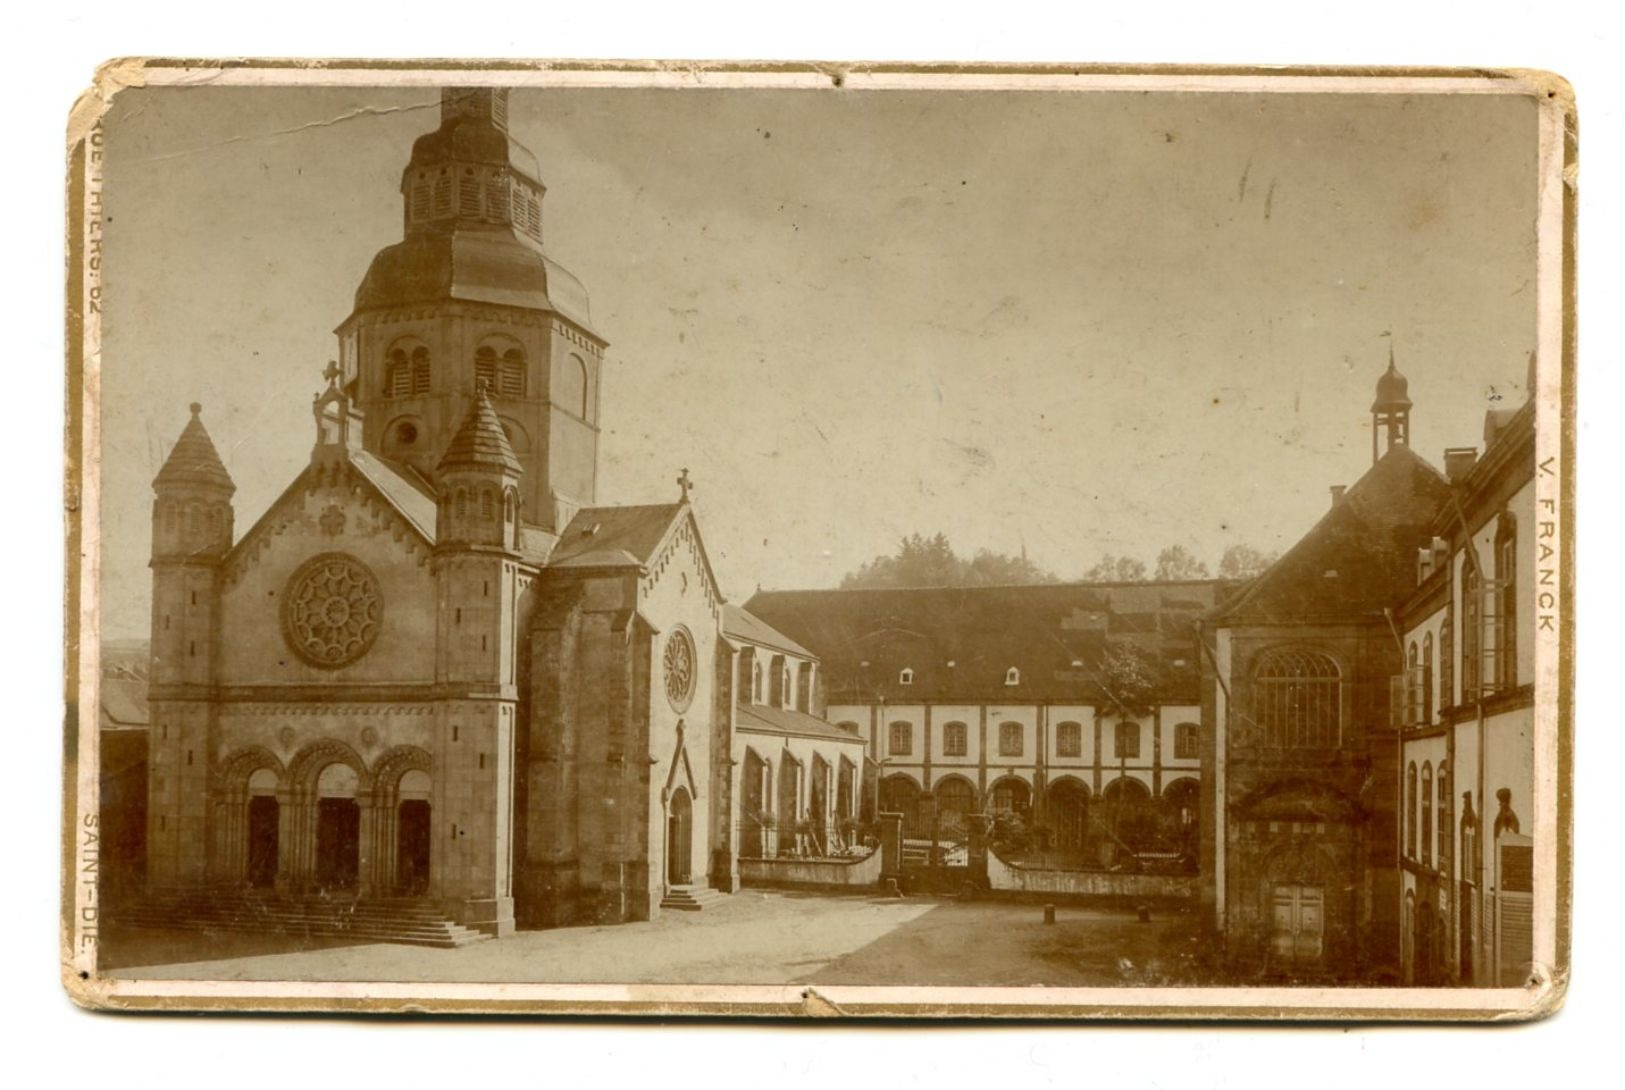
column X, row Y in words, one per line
column 922, row 561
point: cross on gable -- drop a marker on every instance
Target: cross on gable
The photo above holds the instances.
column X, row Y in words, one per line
column 685, row 483
column 331, row 373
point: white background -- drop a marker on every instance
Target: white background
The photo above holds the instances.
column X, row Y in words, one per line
column 53, row 50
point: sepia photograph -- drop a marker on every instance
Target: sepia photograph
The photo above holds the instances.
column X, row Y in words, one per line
column 820, row 539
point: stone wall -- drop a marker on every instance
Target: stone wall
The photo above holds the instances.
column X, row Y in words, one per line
column 1014, row 878
column 812, row 873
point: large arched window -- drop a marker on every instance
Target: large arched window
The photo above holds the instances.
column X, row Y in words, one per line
column 1425, row 811
column 1443, row 826
column 574, row 386
column 1410, row 811
column 501, row 369
column 1297, row 699
column 1427, row 678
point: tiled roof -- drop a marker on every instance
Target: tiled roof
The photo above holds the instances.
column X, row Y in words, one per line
column 761, row 719
column 1054, row 635
column 480, row 440
column 1360, row 558
column 194, row 459
column 614, row 536
column 740, row 624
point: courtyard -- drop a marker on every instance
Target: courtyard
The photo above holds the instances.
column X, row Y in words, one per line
column 754, row 937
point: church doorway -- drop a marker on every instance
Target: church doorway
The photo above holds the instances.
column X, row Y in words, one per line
column 680, row 839
column 264, row 821
column 338, row 829
column 412, row 847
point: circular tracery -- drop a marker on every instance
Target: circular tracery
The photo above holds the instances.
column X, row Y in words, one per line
column 331, row 610
column 678, row 661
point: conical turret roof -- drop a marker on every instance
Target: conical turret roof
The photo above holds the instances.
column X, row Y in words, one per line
column 194, row 461
column 480, row 440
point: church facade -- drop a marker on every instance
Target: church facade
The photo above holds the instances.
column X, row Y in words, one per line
column 436, row 667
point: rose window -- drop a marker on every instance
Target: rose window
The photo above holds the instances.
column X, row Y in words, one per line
column 679, row 664
column 331, row 611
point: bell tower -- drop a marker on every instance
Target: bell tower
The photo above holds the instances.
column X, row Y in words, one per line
column 470, row 296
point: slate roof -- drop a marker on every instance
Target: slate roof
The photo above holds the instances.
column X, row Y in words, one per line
column 1360, row 558
column 614, row 536
column 412, row 499
column 1053, row 634
column 480, row 440
column 761, row 719
column 483, row 265
column 194, row 459
column 742, row 625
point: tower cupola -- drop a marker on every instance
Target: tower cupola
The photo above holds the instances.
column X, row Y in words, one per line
column 1391, row 411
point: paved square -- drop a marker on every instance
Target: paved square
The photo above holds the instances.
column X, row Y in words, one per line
column 754, row 937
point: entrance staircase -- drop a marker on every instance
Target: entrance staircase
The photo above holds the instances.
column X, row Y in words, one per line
column 395, row 920
column 692, row 898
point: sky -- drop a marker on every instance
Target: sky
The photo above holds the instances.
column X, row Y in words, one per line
column 1067, row 323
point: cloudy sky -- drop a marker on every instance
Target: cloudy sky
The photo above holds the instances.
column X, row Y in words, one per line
column 1074, row 323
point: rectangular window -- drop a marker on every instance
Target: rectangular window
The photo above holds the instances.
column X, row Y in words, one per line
column 1128, row 740
column 902, row 739
column 1187, row 742
column 1010, row 739
column 1069, row 740
column 955, row 740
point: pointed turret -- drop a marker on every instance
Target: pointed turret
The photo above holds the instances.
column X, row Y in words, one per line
column 194, row 461
column 191, row 511
column 480, row 441
column 479, row 477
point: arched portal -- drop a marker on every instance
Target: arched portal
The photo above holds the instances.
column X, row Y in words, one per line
column 264, row 817
column 1010, row 796
column 1069, row 814
column 1128, row 814
column 901, row 795
column 956, row 802
column 338, row 828
column 1183, row 810
column 755, row 815
column 412, row 837
column 679, row 838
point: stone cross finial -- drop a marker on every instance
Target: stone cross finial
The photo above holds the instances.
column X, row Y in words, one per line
column 331, row 374
column 685, row 483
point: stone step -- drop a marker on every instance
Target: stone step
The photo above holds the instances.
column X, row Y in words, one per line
column 692, row 898
column 380, row 921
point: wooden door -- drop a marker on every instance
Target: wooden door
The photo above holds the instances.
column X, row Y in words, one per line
column 1299, row 924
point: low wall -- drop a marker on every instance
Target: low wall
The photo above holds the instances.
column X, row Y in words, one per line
column 1005, row 877
column 811, row 873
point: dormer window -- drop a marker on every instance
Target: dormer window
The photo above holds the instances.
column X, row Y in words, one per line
column 1012, row 676
column 906, row 677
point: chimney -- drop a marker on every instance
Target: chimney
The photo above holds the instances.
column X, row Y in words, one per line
column 1337, row 492
column 1459, row 461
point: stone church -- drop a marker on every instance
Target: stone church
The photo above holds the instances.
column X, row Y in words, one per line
column 436, row 667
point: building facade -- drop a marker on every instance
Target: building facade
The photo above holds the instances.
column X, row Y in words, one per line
column 1073, row 708
column 1464, row 705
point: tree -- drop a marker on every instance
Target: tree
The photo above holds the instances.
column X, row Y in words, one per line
column 991, row 569
column 1244, row 562
column 932, row 562
column 1116, row 569
column 1129, row 677
column 1176, row 562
